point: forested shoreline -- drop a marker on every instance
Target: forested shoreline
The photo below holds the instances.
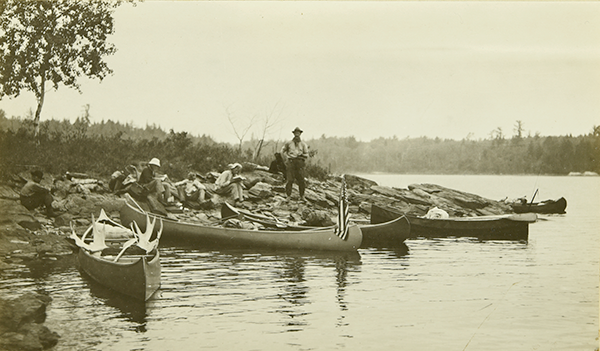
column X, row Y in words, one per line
column 101, row 148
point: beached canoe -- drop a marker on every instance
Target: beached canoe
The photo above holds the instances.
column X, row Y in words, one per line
column 501, row 227
column 545, row 207
column 389, row 234
column 136, row 276
column 189, row 233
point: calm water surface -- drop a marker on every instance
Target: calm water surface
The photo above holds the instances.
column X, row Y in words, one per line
column 447, row 294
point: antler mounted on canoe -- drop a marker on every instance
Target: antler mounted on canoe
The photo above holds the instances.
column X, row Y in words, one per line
column 143, row 238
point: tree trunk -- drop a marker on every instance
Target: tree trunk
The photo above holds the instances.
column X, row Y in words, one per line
column 257, row 150
column 40, row 102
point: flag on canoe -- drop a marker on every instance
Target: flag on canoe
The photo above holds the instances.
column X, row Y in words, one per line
column 343, row 218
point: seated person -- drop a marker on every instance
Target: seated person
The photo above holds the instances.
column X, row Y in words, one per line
column 191, row 189
column 152, row 183
column 34, row 195
column 278, row 166
column 116, row 181
column 119, row 181
column 230, row 183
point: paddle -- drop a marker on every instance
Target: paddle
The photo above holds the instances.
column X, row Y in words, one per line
column 278, row 223
column 533, row 197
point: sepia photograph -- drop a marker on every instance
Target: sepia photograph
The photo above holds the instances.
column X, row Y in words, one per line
column 299, row 175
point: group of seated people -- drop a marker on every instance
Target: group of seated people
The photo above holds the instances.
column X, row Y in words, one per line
column 149, row 183
column 190, row 191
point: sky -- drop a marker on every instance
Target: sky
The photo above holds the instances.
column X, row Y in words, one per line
column 451, row 70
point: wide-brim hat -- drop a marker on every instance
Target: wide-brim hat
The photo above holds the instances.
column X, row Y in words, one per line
column 234, row 165
column 155, row 162
column 297, row 130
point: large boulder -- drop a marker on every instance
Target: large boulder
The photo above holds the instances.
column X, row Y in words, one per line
column 21, row 324
column 261, row 190
column 12, row 213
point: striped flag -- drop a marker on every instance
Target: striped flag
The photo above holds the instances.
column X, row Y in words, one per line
column 343, row 215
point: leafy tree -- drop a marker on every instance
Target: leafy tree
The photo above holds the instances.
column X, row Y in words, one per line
column 52, row 42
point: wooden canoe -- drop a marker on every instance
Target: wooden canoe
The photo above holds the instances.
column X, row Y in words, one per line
column 138, row 277
column 545, row 207
column 389, row 234
column 189, row 233
column 501, row 227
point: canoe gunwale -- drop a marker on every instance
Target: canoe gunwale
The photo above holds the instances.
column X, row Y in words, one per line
column 489, row 228
column 194, row 233
column 392, row 233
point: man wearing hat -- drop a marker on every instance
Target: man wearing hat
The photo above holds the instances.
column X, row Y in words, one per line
column 295, row 152
column 153, row 184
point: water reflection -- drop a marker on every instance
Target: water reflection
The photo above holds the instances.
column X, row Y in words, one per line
column 130, row 309
column 294, row 291
column 41, row 269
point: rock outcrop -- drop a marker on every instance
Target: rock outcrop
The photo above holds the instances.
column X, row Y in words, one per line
column 26, row 235
column 21, row 324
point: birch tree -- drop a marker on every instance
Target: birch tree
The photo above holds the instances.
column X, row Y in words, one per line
column 52, row 43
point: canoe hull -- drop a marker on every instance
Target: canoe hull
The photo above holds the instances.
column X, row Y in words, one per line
column 484, row 228
column 546, row 207
column 136, row 277
column 390, row 234
column 196, row 234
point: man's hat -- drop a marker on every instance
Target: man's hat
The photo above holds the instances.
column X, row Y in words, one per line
column 297, row 130
column 155, row 162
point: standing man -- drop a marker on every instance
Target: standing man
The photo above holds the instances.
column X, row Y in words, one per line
column 295, row 153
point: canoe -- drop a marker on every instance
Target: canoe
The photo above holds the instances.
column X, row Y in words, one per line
column 545, row 207
column 189, row 233
column 105, row 255
column 138, row 277
column 501, row 227
column 389, row 234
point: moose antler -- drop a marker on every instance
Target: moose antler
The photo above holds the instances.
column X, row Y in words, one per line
column 143, row 238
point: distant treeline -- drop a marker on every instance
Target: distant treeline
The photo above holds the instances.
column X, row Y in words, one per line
column 551, row 155
column 101, row 148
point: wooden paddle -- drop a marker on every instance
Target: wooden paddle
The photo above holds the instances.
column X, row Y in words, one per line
column 533, row 197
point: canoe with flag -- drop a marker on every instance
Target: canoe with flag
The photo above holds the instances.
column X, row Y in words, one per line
column 195, row 234
column 390, row 234
column 104, row 255
column 343, row 217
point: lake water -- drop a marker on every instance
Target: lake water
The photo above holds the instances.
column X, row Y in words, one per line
column 447, row 294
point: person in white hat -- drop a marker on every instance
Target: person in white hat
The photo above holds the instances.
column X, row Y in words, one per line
column 230, row 183
column 153, row 184
column 295, row 153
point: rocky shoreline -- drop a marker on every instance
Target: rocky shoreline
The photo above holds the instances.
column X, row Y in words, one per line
column 29, row 236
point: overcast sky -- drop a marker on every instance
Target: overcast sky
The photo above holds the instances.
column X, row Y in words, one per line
column 363, row 69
